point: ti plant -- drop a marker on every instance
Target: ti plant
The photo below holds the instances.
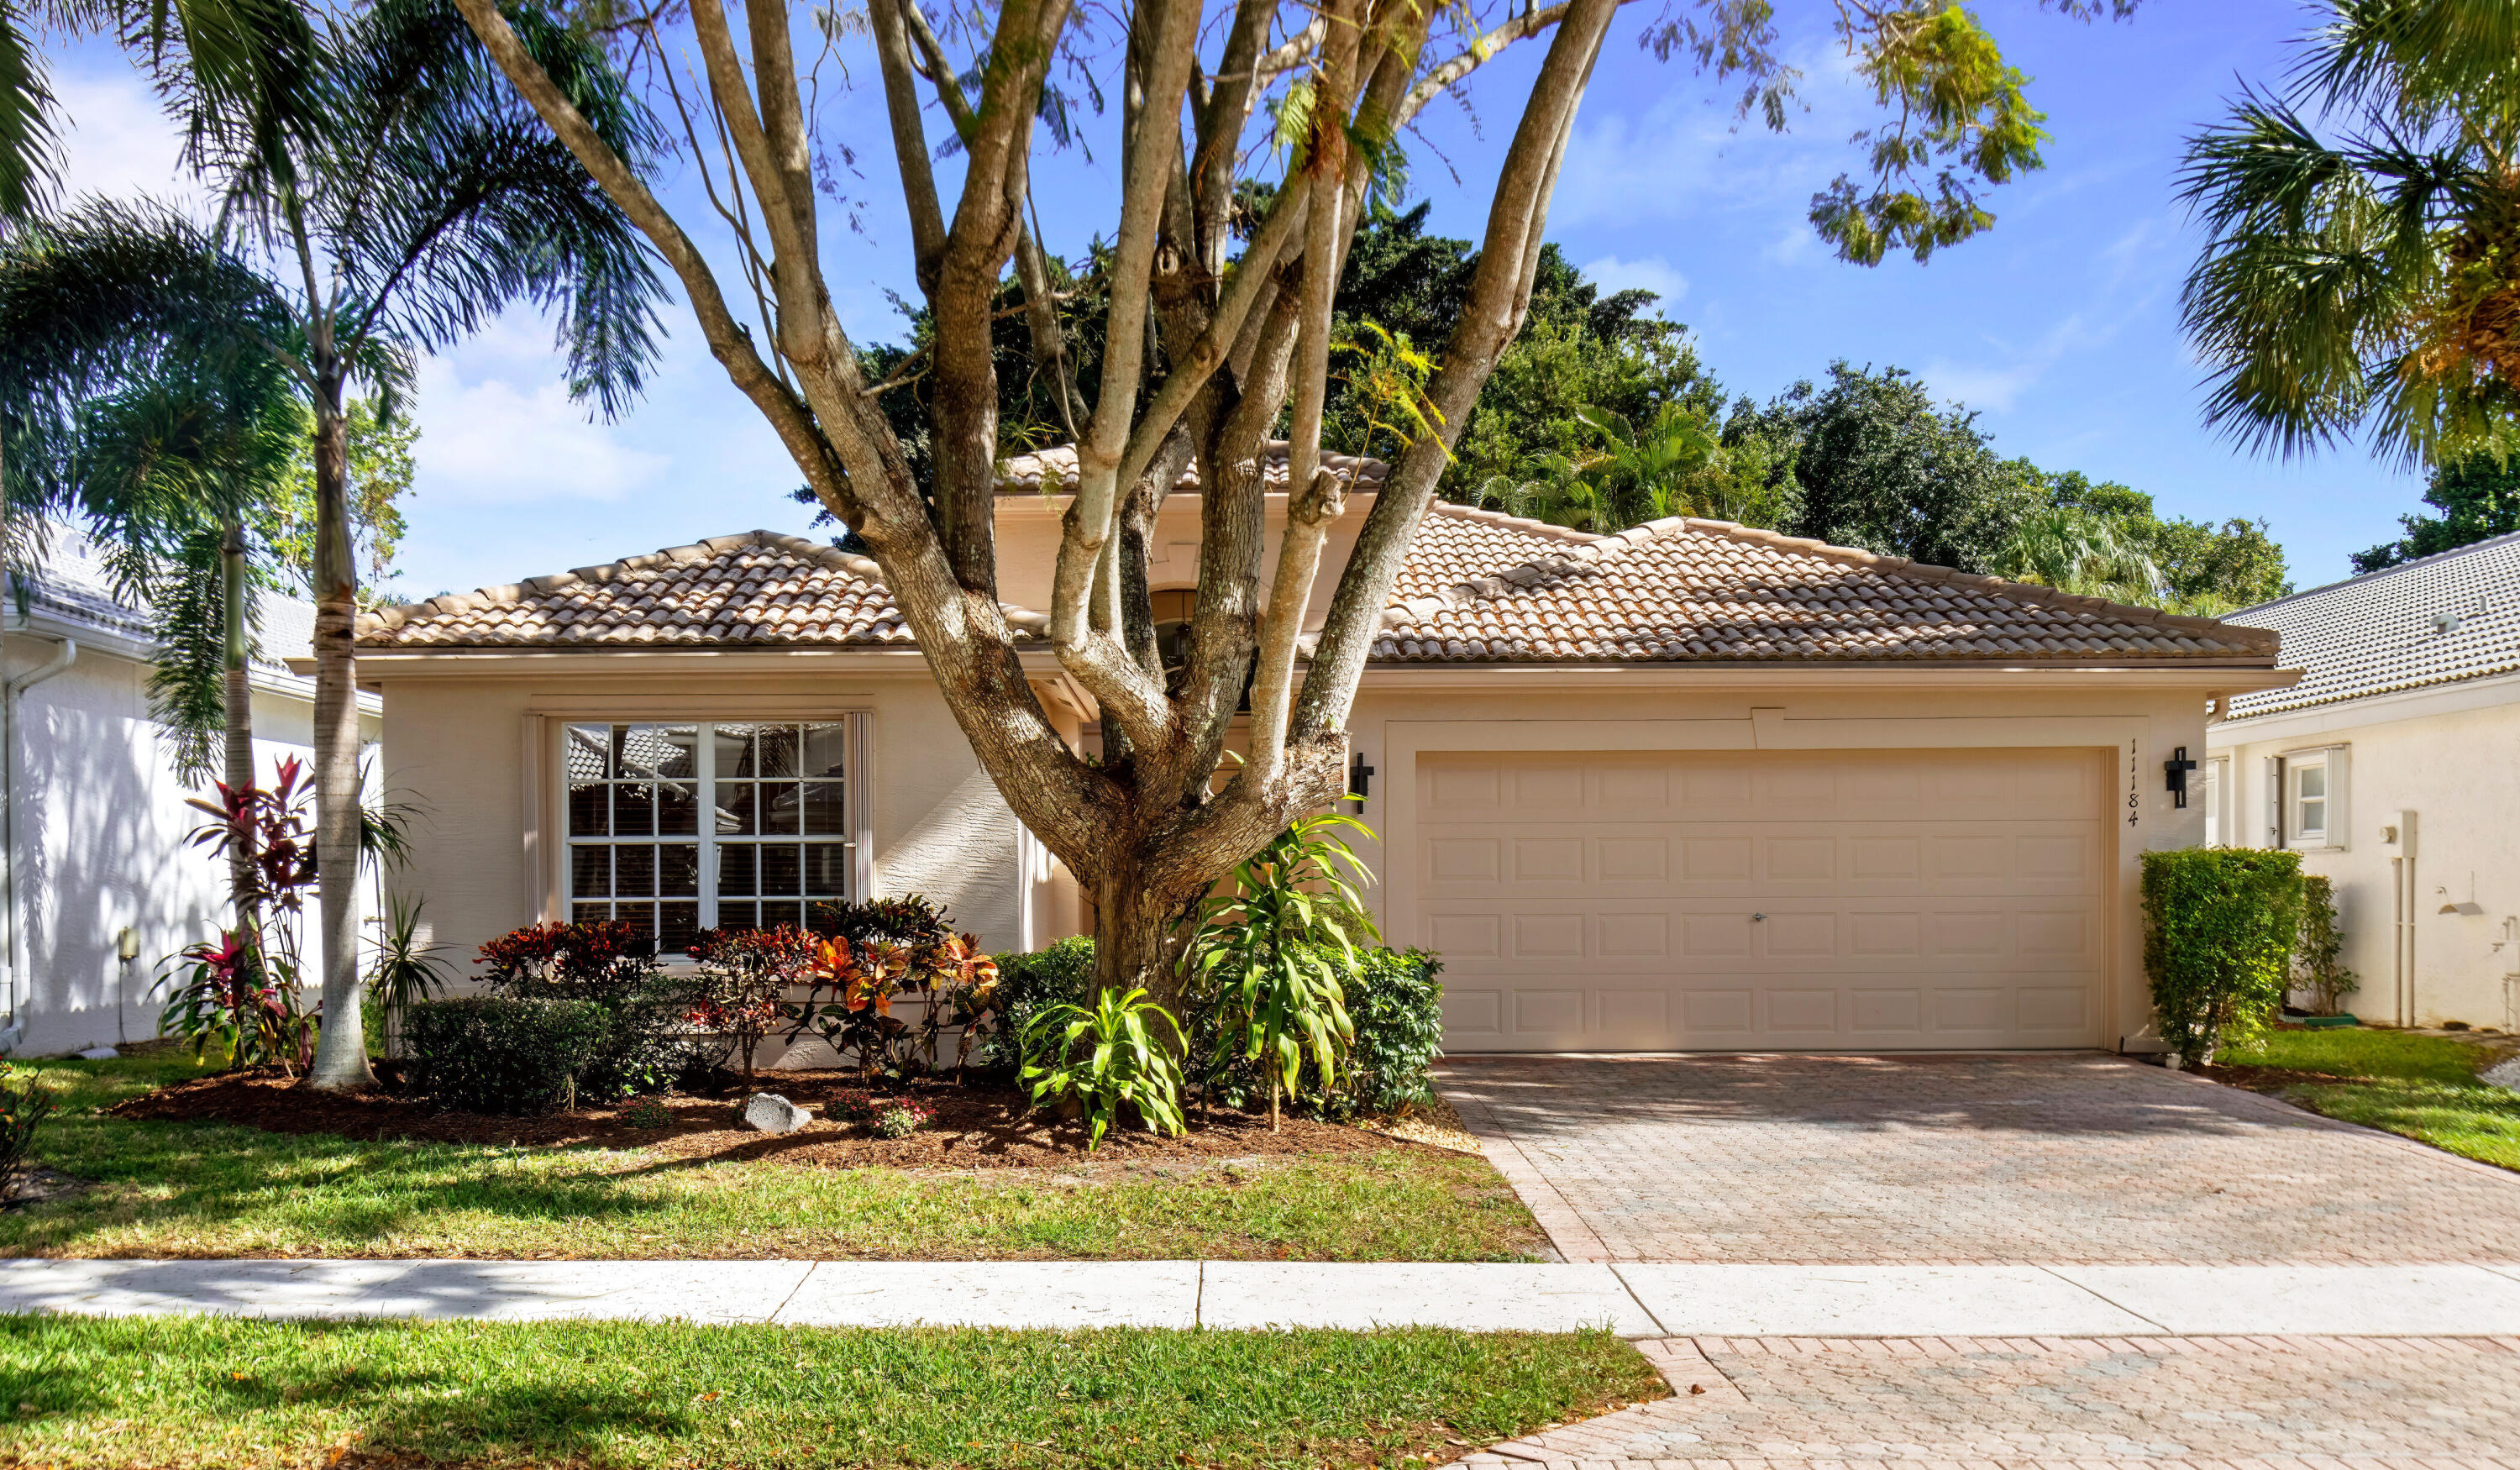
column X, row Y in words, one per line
column 1270, row 950
column 1107, row 1055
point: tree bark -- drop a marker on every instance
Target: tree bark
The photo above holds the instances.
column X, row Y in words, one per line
column 236, row 704
column 1140, row 829
column 342, row 1046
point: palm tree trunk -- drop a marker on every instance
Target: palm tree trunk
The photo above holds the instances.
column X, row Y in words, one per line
column 236, row 706
column 342, row 1046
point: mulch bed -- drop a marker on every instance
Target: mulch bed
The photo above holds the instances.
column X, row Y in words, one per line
column 975, row 1126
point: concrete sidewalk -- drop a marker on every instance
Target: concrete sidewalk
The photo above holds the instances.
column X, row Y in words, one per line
column 1637, row 1300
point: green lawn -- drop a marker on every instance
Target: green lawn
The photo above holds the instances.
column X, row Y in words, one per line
column 207, row 1391
column 2421, row 1087
column 194, row 1189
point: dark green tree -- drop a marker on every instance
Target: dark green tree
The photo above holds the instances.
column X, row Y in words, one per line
column 2205, row 568
column 2478, row 497
column 1883, row 467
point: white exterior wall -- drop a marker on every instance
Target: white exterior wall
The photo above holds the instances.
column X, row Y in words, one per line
column 102, row 828
column 2451, row 757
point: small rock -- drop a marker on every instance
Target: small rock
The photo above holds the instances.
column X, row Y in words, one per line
column 773, row 1114
column 99, row 1053
column 2504, row 1073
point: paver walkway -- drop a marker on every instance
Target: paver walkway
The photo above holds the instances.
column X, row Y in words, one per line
column 2063, row 1158
column 2266, row 1403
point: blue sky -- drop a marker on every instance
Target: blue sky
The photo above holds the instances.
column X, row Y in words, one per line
column 2060, row 327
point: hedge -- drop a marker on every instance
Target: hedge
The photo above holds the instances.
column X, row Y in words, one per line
column 2217, row 937
column 505, row 1055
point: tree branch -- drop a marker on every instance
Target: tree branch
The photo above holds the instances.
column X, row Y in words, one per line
column 909, row 137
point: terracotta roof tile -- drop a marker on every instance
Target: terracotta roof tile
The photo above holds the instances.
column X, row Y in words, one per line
column 758, row 589
column 1701, row 591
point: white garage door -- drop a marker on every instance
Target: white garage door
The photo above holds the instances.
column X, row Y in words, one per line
column 1741, row 899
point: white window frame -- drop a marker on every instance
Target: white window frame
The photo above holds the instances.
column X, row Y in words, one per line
column 857, row 794
column 2288, row 772
column 2211, row 788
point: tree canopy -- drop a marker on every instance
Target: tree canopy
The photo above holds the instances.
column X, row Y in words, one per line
column 2478, row 497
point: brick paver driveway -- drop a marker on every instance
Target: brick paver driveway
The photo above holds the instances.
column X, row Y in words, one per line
column 2049, row 1158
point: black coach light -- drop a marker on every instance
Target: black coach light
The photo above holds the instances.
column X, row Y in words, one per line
column 2177, row 768
column 1360, row 780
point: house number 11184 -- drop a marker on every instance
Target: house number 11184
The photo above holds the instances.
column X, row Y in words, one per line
column 2133, row 802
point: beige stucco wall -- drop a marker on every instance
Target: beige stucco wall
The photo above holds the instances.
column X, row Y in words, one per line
column 1028, row 531
column 1403, row 714
column 2449, row 756
column 470, row 739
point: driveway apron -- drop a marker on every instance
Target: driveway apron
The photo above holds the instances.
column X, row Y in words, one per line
column 2052, row 1158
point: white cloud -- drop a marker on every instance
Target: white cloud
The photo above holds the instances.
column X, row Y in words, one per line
column 489, row 443
column 1998, row 388
column 117, row 140
column 1653, row 274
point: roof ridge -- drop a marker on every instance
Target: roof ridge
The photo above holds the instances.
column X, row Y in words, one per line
column 2488, row 544
column 386, row 619
column 1486, row 517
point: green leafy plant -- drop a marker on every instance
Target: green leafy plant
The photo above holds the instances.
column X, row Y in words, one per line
column 649, row 1041
column 405, row 968
column 1030, row 982
column 1106, row 1057
column 2218, row 929
column 2317, row 962
column 503, row 1054
column 25, row 1104
column 1397, row 1004
column 1269, row 953
column 650, row 1113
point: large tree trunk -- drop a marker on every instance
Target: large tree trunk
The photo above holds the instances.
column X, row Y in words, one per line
column 342, row 1049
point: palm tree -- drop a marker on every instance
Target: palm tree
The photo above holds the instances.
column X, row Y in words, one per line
column 2075, row 550
column 134, row 415
column 2362, row 273
column 405, row 197
column 1642, row 473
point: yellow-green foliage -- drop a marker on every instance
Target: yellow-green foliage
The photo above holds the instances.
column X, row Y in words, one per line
column 2219, row 925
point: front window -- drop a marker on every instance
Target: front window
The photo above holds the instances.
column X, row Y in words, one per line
column 674, row 828
column 2309, row 782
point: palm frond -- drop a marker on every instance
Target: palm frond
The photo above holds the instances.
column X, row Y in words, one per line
column 31, row 152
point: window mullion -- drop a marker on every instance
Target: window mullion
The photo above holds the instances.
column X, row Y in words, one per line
column 705, row 764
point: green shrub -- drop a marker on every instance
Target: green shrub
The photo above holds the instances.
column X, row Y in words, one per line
column 1030, row 982
column 2317, row 963
column 649, row 1040
column 1398, row 1006
column 2218, row 935
column 23, row 1107
column 505, row 1055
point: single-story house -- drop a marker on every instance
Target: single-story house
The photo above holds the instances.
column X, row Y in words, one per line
column 1691, row 785
column 2394, row 768
column 94, row 841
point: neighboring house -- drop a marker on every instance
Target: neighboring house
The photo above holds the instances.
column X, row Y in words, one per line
column 1689, row 785
column 2394, row 768
column 95, row 819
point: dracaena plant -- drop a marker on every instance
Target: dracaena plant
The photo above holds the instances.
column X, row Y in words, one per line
column 1270, row 950
column 1108, row 1056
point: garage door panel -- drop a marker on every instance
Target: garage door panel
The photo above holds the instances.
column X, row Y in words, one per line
column 1660, row 900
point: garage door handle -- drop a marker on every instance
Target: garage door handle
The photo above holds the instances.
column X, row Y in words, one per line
column 1758, row 918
